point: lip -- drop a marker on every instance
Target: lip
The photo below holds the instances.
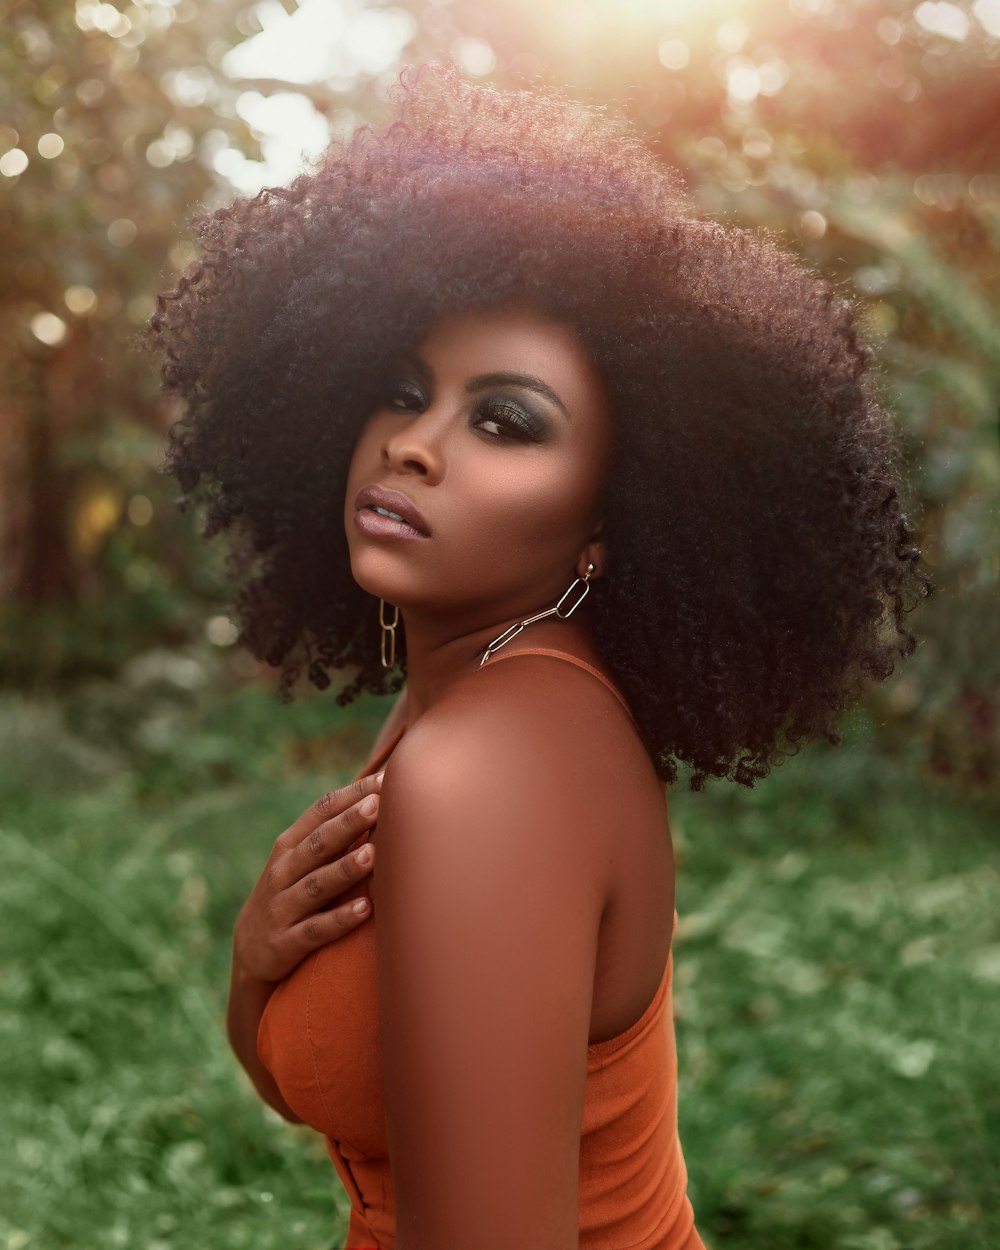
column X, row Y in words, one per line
column 392, row 501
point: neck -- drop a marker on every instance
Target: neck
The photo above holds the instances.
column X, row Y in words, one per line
column 436, row 660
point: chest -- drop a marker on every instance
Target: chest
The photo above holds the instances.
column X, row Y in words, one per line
column 319, row 1038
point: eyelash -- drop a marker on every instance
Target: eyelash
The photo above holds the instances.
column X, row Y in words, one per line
column 518, row 425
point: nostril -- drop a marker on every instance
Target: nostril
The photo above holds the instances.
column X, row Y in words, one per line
column 403, row 452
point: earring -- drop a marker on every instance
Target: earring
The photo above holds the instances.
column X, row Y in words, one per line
column 514, row 630
column 388, row 634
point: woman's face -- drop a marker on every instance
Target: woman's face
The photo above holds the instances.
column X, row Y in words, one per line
column 497, row 432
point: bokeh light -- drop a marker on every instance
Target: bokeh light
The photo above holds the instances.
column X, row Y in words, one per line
column 139, row 510
column 50, row 146
column 13, row 163
column 48, row 328
column 943, row 18
column 80, row 300
column 221, row 631
column 122, row 232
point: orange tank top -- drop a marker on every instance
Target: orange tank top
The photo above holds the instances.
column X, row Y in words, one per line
column 319, row 1039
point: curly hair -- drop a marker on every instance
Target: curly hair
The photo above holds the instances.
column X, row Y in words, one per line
column 759, row 564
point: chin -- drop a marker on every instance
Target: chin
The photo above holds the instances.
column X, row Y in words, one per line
column 365, row 578
column 370, row 573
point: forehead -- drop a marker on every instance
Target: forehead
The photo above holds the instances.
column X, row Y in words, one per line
column 464, row 344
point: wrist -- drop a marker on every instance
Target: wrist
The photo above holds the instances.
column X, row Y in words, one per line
column 244, row 973
column 248, row 996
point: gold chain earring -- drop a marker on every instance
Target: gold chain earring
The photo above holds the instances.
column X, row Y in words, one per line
column 508, row 634
column 388, row 634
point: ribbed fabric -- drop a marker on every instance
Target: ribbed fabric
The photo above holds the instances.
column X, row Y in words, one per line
column 319, row 1039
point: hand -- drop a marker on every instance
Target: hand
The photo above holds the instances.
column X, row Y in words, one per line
column 288, row 913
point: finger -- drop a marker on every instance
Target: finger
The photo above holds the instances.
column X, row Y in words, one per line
column 327, row 926
column 332, row 839
column 321, row 845
column 322, row 885
column 328, row 806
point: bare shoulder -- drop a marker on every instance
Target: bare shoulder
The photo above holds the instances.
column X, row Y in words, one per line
column 538, row 740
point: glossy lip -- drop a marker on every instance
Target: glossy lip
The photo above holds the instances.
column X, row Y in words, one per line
column 392, row 501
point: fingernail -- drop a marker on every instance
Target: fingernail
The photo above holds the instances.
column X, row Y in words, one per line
column 360, row 906
column 369, row 805
column 364, row 855
column 379, row 776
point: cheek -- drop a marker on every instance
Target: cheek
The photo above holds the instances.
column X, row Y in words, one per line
column 533, row 505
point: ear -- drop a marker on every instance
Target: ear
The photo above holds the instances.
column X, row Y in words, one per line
column 594, row 553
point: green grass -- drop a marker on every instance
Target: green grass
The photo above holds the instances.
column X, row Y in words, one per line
column 838, row 1001
column 838, row 989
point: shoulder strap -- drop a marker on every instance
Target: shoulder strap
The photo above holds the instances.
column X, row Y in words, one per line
column 572, row 659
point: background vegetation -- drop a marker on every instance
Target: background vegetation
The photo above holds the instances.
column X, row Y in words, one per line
column 837, row 965
column 839, row 956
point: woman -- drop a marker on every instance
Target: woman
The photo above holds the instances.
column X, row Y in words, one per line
column 481, row 389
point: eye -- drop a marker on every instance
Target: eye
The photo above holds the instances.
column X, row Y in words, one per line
column 404, row 396
column 510, row 422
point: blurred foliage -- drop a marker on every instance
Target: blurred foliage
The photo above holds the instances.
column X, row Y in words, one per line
column 860, row 132
column 108, row 127
column 836, row 925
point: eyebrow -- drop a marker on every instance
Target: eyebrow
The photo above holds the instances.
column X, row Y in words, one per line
column 526, row 380
column 500, row 378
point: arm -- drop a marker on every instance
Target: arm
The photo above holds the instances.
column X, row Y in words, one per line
column 484, row 1021
column 289, row 914
column 248, row 997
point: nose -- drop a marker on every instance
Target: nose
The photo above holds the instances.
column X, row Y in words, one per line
column 416, row 449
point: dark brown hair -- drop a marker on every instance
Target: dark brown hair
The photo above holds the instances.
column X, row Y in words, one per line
column 759, row 563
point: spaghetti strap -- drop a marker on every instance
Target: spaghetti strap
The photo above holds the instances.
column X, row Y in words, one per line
column 572, row 659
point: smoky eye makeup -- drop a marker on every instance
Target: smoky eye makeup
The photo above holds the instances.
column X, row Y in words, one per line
column 513, row 420
column 521, row 382
column 401, row 387
column 506, row 406
column 405, row 395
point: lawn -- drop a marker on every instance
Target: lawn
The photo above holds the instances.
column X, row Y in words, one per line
column 837, row 987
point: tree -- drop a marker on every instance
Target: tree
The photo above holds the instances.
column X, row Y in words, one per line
column 114, row 120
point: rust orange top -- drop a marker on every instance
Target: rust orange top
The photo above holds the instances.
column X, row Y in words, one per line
column 319, row 1038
